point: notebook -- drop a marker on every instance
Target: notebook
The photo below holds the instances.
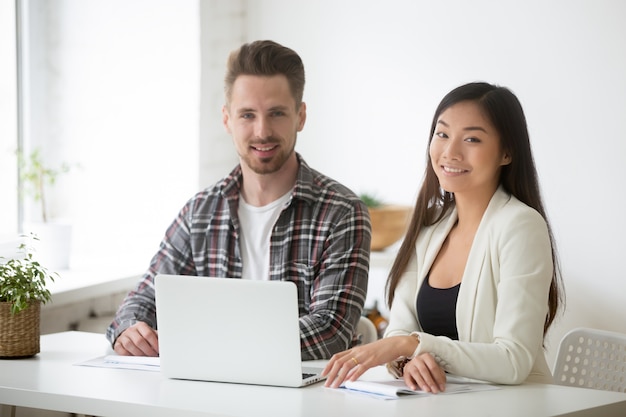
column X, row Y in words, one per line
column 230, row 330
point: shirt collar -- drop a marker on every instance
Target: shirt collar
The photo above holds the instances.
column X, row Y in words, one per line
column 306, row 188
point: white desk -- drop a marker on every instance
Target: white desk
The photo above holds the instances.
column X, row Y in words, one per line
column 51, row 381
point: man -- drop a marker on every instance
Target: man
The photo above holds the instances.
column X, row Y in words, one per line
column 272, row 217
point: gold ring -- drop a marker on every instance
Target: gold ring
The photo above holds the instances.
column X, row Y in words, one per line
column 355, row 361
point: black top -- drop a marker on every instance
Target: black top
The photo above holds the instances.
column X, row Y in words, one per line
column 436, row 309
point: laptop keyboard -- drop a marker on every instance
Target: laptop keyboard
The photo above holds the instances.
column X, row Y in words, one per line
column 305, row 375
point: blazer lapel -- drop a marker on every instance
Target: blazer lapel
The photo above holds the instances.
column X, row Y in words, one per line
column 466, row 301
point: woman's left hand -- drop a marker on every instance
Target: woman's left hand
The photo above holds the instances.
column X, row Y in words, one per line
column 424, row 372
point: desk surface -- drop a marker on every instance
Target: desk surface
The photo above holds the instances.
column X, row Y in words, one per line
column 51, row 381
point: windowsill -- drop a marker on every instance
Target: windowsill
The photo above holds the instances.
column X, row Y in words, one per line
column 78, row 284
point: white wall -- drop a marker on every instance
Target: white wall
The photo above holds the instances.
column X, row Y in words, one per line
column 376, row 71
column 222, row 30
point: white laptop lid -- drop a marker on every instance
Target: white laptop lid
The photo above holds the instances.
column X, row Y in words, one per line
column 229, row 330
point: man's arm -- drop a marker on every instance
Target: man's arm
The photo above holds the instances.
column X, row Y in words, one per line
column 339, row 290
column 139, row 306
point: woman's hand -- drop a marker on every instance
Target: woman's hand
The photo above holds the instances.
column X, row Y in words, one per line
column 352, row 363
column 424, row 372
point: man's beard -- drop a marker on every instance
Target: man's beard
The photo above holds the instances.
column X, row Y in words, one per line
column 272, row 164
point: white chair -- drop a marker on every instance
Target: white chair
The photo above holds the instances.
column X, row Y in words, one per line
column 592, row 358
column 366, row 331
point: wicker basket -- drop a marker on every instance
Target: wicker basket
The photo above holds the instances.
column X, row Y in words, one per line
column 19, row 333
column 389, row 224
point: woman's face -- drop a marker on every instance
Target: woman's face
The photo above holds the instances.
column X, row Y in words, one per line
column 465, row 151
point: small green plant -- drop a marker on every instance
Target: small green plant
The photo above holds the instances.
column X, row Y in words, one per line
column 37, row 175
column 23, row 280
column 371, row 200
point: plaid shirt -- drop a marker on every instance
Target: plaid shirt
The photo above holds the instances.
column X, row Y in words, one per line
column 321, row 242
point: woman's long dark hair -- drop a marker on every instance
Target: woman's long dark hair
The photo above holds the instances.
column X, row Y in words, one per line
column 518, row 178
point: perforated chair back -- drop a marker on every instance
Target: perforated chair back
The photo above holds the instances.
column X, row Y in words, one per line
column 592, row 358
column 366, row 331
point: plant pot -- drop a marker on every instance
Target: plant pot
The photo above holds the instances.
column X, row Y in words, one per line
column 389, row 224
column 19, row 333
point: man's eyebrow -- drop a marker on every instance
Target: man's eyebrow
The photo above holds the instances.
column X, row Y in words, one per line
column 252, row 110
column 279, row 107
column 242, row 110
column 468, row 128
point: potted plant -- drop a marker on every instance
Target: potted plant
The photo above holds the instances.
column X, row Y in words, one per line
column 389, row 221
column 23, row 288
column 54, row 236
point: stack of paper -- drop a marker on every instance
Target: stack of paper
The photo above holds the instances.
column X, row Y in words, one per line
column 394, row 389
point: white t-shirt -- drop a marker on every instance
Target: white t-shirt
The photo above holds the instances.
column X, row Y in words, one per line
column 256, row 228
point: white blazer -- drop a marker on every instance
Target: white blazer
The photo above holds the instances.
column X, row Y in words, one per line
column 503, row 299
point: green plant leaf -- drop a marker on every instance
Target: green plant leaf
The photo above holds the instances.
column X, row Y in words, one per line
column 36, row 175
column 23, row 280
column 371, row 200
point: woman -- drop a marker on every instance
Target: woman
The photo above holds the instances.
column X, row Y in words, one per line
column 476, row 282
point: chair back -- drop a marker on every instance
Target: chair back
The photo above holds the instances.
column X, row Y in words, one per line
column 592, row 358
column 366, row 331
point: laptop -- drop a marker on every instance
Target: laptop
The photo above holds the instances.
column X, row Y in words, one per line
column 230, row 330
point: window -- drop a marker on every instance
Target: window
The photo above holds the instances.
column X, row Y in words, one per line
column 112, row 89
column 8, row 121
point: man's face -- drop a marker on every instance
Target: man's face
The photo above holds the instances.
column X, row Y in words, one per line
column 263, row 120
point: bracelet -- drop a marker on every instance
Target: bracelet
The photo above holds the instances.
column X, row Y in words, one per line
column 416, row 351
column 396, row 367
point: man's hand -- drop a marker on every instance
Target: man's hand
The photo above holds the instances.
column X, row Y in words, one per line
column 138, row 340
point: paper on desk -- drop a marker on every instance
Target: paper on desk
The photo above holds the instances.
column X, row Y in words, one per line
column 142, row 363
column 392, row 390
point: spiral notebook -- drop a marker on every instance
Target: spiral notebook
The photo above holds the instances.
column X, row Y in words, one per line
column 230, row 330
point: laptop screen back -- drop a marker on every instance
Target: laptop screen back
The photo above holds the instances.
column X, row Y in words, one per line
column 228, row 330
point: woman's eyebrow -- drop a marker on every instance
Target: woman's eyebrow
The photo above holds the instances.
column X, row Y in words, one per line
column 482, row 129
column 469, row 128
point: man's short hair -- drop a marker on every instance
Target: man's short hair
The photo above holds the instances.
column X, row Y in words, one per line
column 266, row 58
